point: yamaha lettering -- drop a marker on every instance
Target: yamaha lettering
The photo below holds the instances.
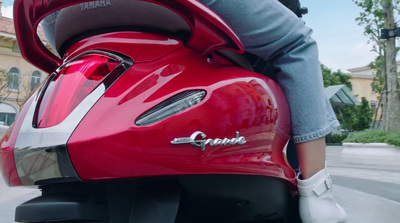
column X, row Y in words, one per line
column 95, row 4
column 202, row 142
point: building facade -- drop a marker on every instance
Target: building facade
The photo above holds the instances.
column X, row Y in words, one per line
column 18, row 78
column 361, row 80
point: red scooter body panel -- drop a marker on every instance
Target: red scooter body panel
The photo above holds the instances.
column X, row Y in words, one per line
column 147, row 113
column 7, row 145
column 144, row 47
column 108, row 145
column 106, row 142
column 209, row 32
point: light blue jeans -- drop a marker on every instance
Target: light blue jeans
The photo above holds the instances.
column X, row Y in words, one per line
column 271, row 31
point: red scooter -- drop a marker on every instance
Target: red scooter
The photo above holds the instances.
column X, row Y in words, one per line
column 149, row 114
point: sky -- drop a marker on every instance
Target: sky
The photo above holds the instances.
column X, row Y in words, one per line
column 342, row 44
column 340, row 40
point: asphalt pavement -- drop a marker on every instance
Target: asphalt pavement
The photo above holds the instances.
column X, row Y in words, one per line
column 369, row 194
column 11, row 197
column 366, row 208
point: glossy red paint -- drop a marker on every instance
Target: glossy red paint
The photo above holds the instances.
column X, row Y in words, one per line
column 84, row 73
column 108, row 145
column 144, row 47
column 7, row 144
column 209, row 32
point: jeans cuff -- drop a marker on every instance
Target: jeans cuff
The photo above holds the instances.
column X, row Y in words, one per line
column 316, row 135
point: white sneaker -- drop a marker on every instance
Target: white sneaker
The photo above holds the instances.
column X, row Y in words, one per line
column 317, row 204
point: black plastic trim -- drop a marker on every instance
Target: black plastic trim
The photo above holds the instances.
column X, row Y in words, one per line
column 60, row 208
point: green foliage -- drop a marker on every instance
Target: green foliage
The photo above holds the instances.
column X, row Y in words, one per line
column 352, row 118
column 394, row 139
column 371, row 18
column 335, row 78
column 355, row 118
column 368, row 136
column 378, row 80
column 374, row 136
column 337, row 138
column 346, row 116
column 364, row 115
column 376, row 15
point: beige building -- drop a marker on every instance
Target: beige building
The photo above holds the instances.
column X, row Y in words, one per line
column 361, row 79
column 18, row 78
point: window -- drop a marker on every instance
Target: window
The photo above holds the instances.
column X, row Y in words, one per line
column 7, row 114
column 35, row 80
column 7, row 118
column 16, row 48
column 373, row 108
column 373, row 88
column 14, row 79
column 373, row 105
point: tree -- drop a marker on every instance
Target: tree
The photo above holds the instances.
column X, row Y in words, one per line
column 4, row 79
column 335, row 78
column 392, row 79
column 22, row 94
column 372, row 19
column 364, row 116
column 5, row 91
column 376, row 15
column 378, row 84
column 352, row 118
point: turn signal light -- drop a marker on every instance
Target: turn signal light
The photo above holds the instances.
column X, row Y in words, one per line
column 171, row 106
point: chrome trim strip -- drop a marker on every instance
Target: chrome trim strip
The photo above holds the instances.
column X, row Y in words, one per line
column 41, row 153
column 37, row 151
column 115, row 56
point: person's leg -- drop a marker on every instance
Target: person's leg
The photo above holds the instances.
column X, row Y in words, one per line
column 269, row 30
column 311, row 157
